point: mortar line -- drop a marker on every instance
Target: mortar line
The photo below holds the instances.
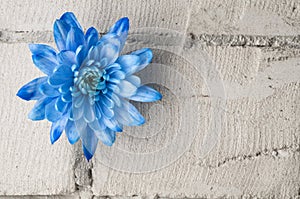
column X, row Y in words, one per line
column 238, row 40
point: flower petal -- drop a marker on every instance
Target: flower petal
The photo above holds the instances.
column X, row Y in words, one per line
column 60, row 105
column 48, row 90
column 145, row 55
column 86, row 153
column 89, row 142
column 77, row 113
column 42, row 49
column 78, row 101
column 67, row 57
column 70, row 19
column 128, row 115
column 91, row 37
column 38, row 111
column 97, row 125
column 65, row 88
column 104, row 51
column 61, row 29
column 104, row 110
column 106, row 136
column 46, row 63
column 135, row 80
column 30, row 90
column 121, row 28
column 106, row 101
column 116, row 99
column 89, row 111
column 58, row 127
column 127, row 89
column 80, row 124
column 61, row 75
column 112, row 124
column 51, row 113
column 129, row 63
column 75, row 38
column 81, row 53
column 117, row 75
column 71, row 132
column 146, row 94
column 67, row 97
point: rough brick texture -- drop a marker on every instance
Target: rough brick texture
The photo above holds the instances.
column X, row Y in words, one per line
column 233, row 64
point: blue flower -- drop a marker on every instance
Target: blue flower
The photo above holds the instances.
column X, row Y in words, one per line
column 88, row 84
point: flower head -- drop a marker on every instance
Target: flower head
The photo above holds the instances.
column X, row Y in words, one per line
column 88, row 84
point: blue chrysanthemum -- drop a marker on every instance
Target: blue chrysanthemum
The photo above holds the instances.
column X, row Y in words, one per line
column 88, row 85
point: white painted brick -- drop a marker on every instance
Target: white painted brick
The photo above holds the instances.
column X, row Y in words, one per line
column 256, row 17
column 241, row 163
column 30, row 165
column 40, row 15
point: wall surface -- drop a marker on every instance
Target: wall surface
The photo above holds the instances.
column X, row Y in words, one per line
column 228, row 125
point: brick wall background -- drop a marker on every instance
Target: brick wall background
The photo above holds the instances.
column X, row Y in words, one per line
column 254, row 45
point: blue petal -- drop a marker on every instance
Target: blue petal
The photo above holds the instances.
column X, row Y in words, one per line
column 112, row 68
column 81, row 54
column 116, row 76
column 78, row 101
column 104, row 110
column 145, row 55
column 66, row 57
column 38, row 111
column 106, row 101
column 146, row 94
column 87, row 154
column 89, row 111
column 116, row 99
column 127, row 89
column 112, row 124
column 77, row 113
column 89, row 142
column 67, row 97
column 129, row 63
column 61, row 75
column 121, row 28
column 136, row 61
column 58, row 127
column 46, row 63
column 60, row 105
column 70, row 19
column 97, row 125
column 61, row 29
column 80, row 124
column 91, row 37
column 30, row 90
column 104, row 51
column 128, row 115
column 106, row 136
column 65, row 88
column 42, row 50
column 135, row 80
column 75, row 38
column 71, row 132
column 48, row 90
column 51, row 113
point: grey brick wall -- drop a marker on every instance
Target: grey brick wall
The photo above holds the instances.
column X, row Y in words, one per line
column 252, row 45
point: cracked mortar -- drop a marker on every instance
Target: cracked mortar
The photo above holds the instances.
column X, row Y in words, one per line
column 83, row 173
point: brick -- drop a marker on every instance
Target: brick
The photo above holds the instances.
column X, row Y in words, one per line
column 256, row 17
column 242, row 161
column 39, row 15
column 30, row 164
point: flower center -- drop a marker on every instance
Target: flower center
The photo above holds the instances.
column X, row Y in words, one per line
column 91, row 80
